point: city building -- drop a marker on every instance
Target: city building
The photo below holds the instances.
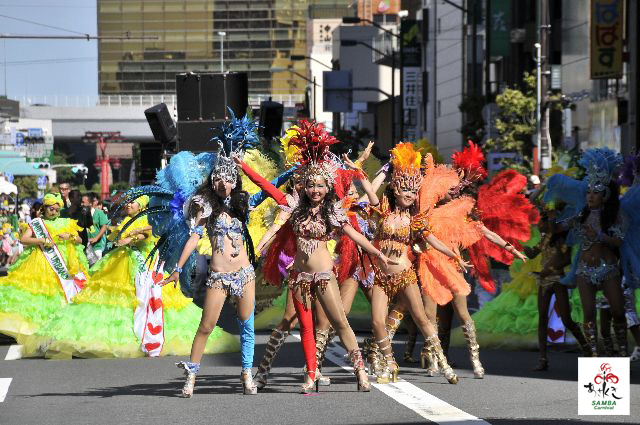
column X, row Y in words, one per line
column 255, row 37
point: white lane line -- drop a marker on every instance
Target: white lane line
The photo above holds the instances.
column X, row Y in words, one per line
column 14, row 353
column 4, row 387
column 421, row 402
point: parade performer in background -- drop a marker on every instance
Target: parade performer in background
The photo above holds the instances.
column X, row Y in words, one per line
column 314, row 218
column 399, row 227
column 556, row 256
column 599, row 222
column 47, row 276
column 101, row 322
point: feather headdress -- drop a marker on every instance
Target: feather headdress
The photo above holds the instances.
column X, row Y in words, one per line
column 406, row 162
column 237, row 136
column 290, row 152
column 470, row 161
column 313, row 143
column 600, row 164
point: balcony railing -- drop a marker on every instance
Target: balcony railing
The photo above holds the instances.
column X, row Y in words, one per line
column 289, row 100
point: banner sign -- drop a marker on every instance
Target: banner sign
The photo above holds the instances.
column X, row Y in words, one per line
column 500, row 28
column 607, row 20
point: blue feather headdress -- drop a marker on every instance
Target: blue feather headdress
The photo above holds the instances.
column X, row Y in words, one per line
column 600, row 165
column 237, row 135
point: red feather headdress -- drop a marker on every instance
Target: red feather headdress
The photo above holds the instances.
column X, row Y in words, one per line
column 470, row 161
column 315, row 158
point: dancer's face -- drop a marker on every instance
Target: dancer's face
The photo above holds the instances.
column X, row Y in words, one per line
column 595, row 199
column 316, row 189
column 221, row 187
column 51, row 211
column 405, row 197
column 352, row 192
column 132, row 209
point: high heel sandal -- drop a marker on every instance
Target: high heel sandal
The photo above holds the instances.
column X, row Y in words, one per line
column 309, row 387
column 391, row 364
column 273, row 346
column 377, row 365
column 434, row 345
column 428, row 361
column 190, row 371
column 543, row 365
column 396, row 321
column 355, row 356
column 248, row 386
column 323, row 337
column 591, row 335
column 469, row 331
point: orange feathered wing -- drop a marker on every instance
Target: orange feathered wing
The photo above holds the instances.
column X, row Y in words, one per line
column 439, row 275
column 506, row 211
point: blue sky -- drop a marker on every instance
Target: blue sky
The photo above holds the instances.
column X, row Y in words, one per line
column 49, row 67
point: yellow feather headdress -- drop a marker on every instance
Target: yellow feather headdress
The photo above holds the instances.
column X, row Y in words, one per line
column 290, row 152
column 406, row 162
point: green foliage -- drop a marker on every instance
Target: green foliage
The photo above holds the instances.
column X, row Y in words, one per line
column 516, row 123
column 27, row 186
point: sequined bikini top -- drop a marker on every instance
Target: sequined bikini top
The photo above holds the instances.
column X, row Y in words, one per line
column 310, row 232
column 224, row 225
column 593, row 220
column 397, row 230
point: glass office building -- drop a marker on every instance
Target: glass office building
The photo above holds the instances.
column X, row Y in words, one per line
column 260, row 36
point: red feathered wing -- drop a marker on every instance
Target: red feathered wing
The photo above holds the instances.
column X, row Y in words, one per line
column 347, row 249
column 283, row 247
column 506, row 211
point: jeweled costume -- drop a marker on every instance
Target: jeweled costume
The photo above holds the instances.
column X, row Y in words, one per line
column 600, row 165
column 31, row 293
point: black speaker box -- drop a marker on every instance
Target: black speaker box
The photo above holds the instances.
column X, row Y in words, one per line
column 150, row 162
column 162, row 125
column 206, row 96
column 271, row 116
column 196, row 136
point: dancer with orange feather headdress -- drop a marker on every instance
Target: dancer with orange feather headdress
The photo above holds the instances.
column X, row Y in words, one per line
column 401, row 226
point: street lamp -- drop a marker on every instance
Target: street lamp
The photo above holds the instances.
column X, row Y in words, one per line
column 222, row 34
column 304, row 77
column 303, row 57
column 353, row 43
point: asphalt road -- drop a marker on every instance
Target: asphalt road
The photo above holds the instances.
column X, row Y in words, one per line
column 132, row 391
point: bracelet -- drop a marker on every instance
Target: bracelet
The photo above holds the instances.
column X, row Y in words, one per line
column 178, row 269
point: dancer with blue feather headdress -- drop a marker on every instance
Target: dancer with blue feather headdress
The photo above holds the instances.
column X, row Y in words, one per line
column 604, row 228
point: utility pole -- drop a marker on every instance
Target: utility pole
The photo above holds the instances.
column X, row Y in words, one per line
column 544, row 144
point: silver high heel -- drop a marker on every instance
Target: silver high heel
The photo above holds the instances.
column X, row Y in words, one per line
column 248, row 386
column 190, row 371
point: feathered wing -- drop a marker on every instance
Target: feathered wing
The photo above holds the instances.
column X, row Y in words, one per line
column 175, row 184
column 506, row 211
column 450, row 223
column 437, row 181
column 568, row 190
column 280, row 255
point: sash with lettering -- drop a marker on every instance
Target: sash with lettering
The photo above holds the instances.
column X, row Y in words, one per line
column 148, row 317
column 71, row 285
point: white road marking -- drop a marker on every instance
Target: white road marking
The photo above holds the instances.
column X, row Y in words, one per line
column 4, row 387
column 14, row 353
column 421, row 402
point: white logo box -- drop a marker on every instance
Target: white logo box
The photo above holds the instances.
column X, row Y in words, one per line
column 603, row 386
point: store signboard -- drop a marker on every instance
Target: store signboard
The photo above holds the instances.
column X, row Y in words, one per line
column 607, row 21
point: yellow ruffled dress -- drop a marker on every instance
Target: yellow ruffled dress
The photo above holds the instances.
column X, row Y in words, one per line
column 31, row 293
column 100, row 321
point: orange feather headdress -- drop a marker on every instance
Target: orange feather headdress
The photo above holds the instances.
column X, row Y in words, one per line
column 406, row 162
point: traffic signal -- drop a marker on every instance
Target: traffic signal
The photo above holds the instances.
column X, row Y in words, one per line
column 41, row 165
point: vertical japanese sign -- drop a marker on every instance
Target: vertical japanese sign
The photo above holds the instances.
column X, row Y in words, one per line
column 411, row 77
column 500, row 28
column 607, row 22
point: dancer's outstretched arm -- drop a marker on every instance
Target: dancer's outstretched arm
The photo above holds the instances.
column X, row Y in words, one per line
column 496, row 239
column 438, row 245
column 267, row 238
column 189, row 247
